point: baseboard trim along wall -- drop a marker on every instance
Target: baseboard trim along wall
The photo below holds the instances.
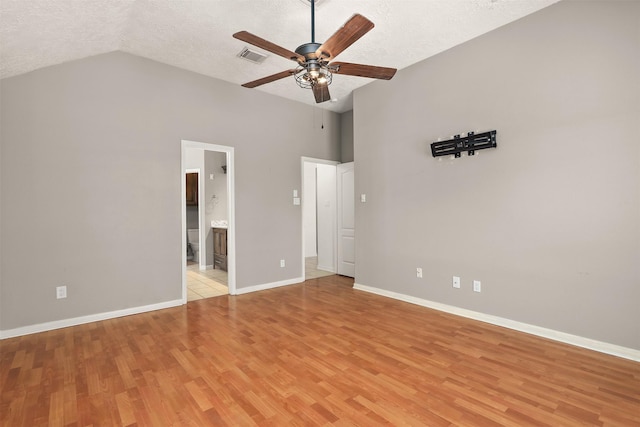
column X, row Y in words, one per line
column 65, row 323
column 602, row 347
column 326, row 268
column 248, row 289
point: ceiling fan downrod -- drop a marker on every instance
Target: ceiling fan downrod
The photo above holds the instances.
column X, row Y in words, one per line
column 313, row 21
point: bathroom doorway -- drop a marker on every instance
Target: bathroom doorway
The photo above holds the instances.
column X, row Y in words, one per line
column 192, row 199
column 207, row 206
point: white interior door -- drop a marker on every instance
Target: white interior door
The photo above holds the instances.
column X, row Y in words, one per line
column 326, row 216
column 346, row 219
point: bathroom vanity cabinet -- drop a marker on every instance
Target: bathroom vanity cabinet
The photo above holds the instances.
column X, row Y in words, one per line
column 220, row 248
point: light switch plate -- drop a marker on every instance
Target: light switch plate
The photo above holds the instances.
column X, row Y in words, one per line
column 477, row 286
column 456, row 282
column 61, row 292
column 363, row 198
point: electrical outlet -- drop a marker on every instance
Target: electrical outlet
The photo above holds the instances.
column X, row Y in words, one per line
column 281, row 263
column 456, row 282
column 61, row 292
column 477, row 286
column 419, row 273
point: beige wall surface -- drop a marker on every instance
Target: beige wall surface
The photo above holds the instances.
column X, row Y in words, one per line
column 549, row 221
column 346, row 136
column 90, row 179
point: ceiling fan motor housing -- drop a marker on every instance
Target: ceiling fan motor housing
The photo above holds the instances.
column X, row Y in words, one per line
column 313, row 70
column 308, row 50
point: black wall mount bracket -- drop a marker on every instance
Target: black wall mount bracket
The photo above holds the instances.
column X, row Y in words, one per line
column 470, row 143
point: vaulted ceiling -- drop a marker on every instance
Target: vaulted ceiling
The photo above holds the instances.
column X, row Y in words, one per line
column 196, row 35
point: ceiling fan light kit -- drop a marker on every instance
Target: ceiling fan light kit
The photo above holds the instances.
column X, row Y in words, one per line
column 314, row 70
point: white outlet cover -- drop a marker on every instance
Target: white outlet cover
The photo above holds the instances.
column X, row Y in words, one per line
column 456, row 282
column 419, row 272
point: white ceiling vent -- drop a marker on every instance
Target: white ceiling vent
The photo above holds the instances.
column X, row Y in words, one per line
column 252, row 55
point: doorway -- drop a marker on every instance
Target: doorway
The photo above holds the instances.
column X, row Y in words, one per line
column 216, row 201
column 318, row 217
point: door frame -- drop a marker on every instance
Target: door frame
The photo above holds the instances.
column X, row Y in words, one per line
column 231, row 212
column 304, row 160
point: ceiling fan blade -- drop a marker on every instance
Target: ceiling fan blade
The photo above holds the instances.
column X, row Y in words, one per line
column 360, row 70
column 269, row 79
column 268, row 46
column 346, row 35
column 321, row 92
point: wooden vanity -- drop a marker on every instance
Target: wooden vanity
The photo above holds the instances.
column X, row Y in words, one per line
column 220, row 248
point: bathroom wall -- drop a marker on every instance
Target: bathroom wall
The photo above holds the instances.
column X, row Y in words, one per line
column 216, row 198
column 217, row 201
column 192, row 217
column 194, row 160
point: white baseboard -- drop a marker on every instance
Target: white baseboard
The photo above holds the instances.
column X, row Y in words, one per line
column 325, row 268
column 65, row 323
column 248, row 289
column 602, row 347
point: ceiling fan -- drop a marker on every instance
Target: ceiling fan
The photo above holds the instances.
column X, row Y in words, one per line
column 314, row 70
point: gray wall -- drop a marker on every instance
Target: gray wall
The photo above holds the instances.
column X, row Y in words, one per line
column 549, row 221
column 192, row 217
column 346, row 136
column 90, row 179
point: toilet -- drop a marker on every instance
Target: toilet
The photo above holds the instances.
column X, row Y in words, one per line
column 193, row 238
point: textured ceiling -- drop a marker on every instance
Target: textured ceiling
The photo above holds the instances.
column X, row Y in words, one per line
column 197, row 34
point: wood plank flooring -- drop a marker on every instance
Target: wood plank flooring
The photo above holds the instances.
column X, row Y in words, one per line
column 318, row 353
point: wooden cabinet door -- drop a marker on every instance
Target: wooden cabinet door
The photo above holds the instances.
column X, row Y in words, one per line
column 192, row 189
column 220, row 248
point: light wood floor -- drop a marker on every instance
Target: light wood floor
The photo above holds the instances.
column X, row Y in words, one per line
column 318, row 353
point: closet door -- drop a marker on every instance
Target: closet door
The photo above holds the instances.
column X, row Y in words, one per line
column 346, row 219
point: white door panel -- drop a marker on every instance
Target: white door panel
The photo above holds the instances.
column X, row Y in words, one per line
column 346, row 219
column 326, row 216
